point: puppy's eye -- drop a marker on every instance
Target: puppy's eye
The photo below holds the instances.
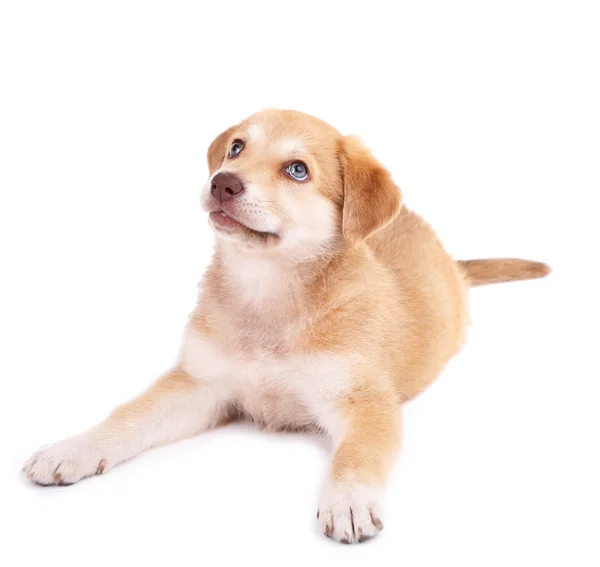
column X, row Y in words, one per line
column 235, row 148
column 297, row 171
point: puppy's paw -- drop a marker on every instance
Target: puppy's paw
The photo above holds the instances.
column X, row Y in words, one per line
column 350, row 513
column 66, row 462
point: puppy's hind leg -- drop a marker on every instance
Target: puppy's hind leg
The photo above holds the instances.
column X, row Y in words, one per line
column 174, row 407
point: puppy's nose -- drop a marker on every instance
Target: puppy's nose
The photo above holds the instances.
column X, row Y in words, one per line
column 225, row 186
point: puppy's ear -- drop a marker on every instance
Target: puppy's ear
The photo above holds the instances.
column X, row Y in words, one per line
column 217, row 150
column 371, row 198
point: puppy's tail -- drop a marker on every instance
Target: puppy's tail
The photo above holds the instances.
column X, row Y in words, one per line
column 498, row 270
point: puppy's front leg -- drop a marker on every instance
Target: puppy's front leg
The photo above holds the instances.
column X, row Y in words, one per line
column 174, row 407
column 350, row 509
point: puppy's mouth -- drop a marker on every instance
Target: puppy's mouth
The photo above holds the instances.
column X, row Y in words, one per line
column 224, row 222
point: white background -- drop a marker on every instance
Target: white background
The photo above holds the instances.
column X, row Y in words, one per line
column 487, row 114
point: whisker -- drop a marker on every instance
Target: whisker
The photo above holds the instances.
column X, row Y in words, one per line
column 276, row 208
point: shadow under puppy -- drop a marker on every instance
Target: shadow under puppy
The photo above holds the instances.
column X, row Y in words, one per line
column 327, row 305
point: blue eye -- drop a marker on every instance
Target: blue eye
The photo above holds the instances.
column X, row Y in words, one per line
column 297, row 171
column 236, row 148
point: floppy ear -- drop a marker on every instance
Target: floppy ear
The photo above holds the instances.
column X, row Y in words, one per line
column 217, row 150
column 371, row 198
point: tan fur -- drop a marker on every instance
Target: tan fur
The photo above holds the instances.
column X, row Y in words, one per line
column 371, row 200
column 499, row 270
column 325, row 309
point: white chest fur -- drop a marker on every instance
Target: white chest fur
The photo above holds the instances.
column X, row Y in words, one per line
column 291, row 391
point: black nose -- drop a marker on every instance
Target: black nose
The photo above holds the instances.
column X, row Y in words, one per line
column 225, row 186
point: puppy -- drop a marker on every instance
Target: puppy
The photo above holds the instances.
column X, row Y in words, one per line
column 327, row 305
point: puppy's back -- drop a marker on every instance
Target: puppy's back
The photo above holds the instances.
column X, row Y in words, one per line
column 435, row 292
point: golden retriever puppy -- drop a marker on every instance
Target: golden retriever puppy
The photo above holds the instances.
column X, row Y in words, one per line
column 327, row 305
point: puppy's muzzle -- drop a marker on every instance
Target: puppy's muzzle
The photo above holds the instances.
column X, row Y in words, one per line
column 225, row 186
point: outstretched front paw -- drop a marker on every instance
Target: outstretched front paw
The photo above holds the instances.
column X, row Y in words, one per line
column 350, row 513
column 65, row 462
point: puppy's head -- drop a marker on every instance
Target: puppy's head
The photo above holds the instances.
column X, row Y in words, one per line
column 284, row 180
